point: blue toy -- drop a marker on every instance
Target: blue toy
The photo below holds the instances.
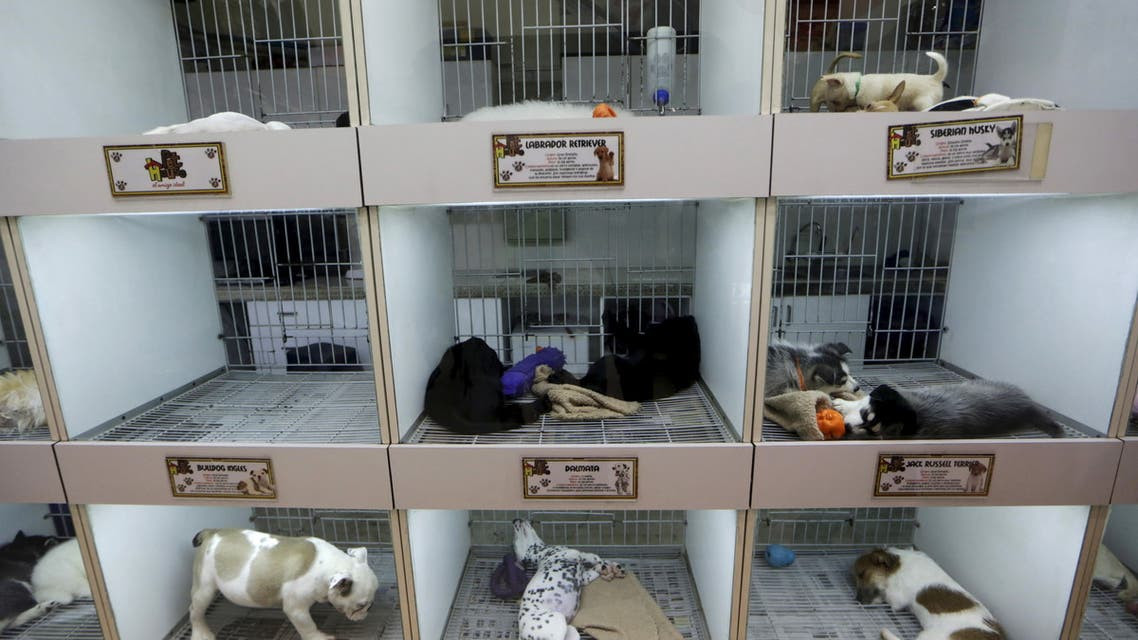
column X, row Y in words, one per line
column 779, row 556
column 517, row 379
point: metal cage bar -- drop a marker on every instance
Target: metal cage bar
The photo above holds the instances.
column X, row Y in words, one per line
column 891, row 36
column 269, row 60
column 498, row 52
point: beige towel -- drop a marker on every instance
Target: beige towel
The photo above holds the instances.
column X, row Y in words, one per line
column 620, row 609
column 571, row 402
column 797, row 411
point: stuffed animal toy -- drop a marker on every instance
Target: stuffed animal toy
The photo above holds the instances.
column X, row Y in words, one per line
column 518, row 378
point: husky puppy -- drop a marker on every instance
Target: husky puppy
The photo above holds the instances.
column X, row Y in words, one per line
column 821, row 367
column 971, row 409
column 911, row 580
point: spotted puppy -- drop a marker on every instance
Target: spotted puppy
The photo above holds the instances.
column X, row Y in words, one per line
column 552, row 595
column 911, row 580
column 255, row 569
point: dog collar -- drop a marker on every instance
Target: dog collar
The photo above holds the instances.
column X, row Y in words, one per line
column 801, row 378
column 857, row 90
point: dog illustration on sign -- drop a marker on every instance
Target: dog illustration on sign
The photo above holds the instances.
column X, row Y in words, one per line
column 605, row 171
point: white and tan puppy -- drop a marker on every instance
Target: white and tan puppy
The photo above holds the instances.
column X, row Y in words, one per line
column 218, row 123
column 1110, row 571
column 907, row 579
column 255, row 569
column 843, row 91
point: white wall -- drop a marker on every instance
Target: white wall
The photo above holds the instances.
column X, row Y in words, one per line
column 127, row 307
column 440, row 542
column 81, row 68
column 1079, row 54
column 419, row 287
column 731, row 57
column 1121, row 534
column 1019, row 561
column 28, row 518
column 147, row 558
column 710, row 544
column 404, row 69
column 725, row 243
column 1042, row 293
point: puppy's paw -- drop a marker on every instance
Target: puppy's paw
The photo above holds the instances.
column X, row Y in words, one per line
column 851, row 410
column 202, row 634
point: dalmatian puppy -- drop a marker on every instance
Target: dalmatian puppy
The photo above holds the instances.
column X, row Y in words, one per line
column 551, row 598
column 255, row 569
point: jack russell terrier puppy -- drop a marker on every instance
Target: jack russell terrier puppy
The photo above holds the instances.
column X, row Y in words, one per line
column 255, row 569
column 911, row 580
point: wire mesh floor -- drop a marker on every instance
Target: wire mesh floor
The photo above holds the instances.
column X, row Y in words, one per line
column 240, row 406
column 815, row 598
column 477, row 614
column 383, row 622
column 1106, row 618
column 688, row 416
column 905, row 376
column 76, row 621
column 38, row 433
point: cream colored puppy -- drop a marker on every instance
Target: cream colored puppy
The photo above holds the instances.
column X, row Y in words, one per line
column 255, row 569
column 841, row 91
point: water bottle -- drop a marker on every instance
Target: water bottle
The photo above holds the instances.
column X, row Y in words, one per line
column 660, row 65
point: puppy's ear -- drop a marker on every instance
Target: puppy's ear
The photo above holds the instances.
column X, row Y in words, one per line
column 19, row 536
column 359, row 553
column 885, row 560
column 342, row 583
column 896, row 95
column 834, row 82
column 837, row 349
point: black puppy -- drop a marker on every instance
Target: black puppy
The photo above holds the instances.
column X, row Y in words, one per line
column 17, row 559
column 662, row 361
column 464, row 392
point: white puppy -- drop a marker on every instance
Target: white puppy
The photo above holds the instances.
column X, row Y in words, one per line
column 539, row 110
column 911, row 580
column 1110, row 571
column 255, row 569
column 552, row 595
column 851, row 89
column 218, row 123
column 21, row 407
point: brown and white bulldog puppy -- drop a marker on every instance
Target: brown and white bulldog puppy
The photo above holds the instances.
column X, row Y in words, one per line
column 255, row 569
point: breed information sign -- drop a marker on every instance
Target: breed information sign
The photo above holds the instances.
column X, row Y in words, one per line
column 933, row 475
column 167, row 169
column 591, row 159
column 960, row 146
column 221, row 478
column 576, row 478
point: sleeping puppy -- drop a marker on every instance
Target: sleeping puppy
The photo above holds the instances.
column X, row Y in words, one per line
column 970, row 409
column 911, row 580
column 662, row 361
column 842, row 91
column 821, row 367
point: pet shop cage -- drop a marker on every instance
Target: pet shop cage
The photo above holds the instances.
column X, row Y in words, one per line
column 1106, row 615
column 280, row 61
column 445, row 59
column 16, row 354
column 498, row 52
column 75, row 621
column 256, row 325
column 926, row 292
column 890, row 35
column 676, row 556
column 169, row 530
column 1003, row 556
column 522, row 277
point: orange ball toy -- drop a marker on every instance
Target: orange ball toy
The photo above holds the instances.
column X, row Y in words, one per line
column 831, row 423
column 602, row 110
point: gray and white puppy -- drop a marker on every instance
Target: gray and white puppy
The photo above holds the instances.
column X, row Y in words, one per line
column 971, row 409
column 255, row 569
column 821, row 367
